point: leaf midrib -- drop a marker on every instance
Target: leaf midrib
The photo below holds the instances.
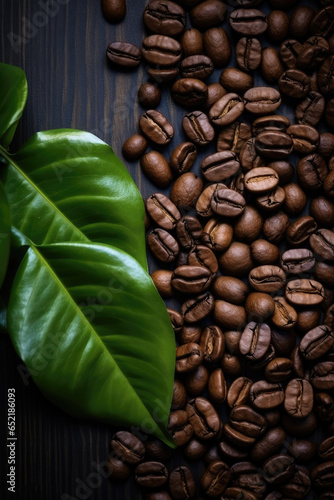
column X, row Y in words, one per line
column 10, row 159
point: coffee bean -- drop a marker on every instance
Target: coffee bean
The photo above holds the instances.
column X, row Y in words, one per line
column 325, row 78
column 208, row 14
column 189, row 92
column 300, row 230
column 179, row 400
column 261, row 179
column 186, row 190
column 164, row 18
column 163, row 282
column 311, row 109
column 203, row 418
column 249, row 225
column 275, row 123
column 264, row 252
column 230, row 289
column 190, row 333
column 284, row 315
column 274, row 145
column 275, row 227
column 262, row 100
column 123, row 54
column 294, row 83
column 182, row 483
column 255, row 340
column 308, row 319
column 271, row 66
column 203, row 205
column 220, row 166
column 305, row 138
column 198, row 128
column 248, row 22
column 284, row 170
column 201, row 255
column 268, row 445
column 198, row 308
column 114, row 10
column 151, row 474
column 322, row 210
column 179, row 427
column 234, row 80
column 300, row 21
column 265, row 395
column 304, row 292
column 231, row 452
column 215, row 92
column 278, row 26
column 295, row 199
column 302, row 450
column 217, row 386
column 323, row 475
column 190, row 279
column 226, row 110
column 156, row 127
column 267, row 278
column 279, row 369
column 229, row 316
column 322, row 24
column 189, row 231
column 329, row 113
column 191, row 42
column 233, row 137
column 247, row 421
column 248, row 53
column 259, row 306
column 298, row 400
column 322, row 375
column 176, row 320
column 212, row 343
column 217, row 46
column 322, row 243
column 249, row 157
column 163, row 211
column 237, row 438
column 183, row 157
column 195, row 449
column 326, row 449
column 278, row 469
column 161, row 50
column 246, row 476
column 289, row 51
column 128, row 447
column 236, row 260
column 272, row 201
column 312, row 171
column 134, row 147
column 234, row 493
column 217, row 235
column 163, row 75
column 317, row 342
column 215, row 478
column 313, row 53
column 197, row 66
column 326, row 144
column 239, row 392
column 228, row 203
column 158, row 495
column 149, row 95
column 163, row 245
column 188, row 357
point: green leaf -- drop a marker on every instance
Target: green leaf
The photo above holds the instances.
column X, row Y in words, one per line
column 13, row 92
column 93, row 331
column 69, row 186
column 5, row 224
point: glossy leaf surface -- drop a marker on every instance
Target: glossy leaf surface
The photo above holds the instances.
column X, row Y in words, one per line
column 93, row 331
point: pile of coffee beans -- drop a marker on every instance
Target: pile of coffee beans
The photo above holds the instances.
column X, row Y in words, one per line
column 243, row 248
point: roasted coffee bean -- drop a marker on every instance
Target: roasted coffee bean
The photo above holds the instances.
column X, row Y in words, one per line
column 149, row 95
column 259, row 306
column 323, row 475
column 198, row 308
column 275, row 227
column 198, row 128
column 289, row 51
column 324, row 272
column 217, row 46
column 231, row 365
column 249, row 157
column 232, row 137
column 176, row 320
column 215, row 478
column 326, row 449
column 229, row 316
column 271, row 66
column 298, row 400
column 248, row 53
column 123, row 54
column 208, row 14
column 312, row 171
column 247, row 421
column 322, row 375
column 268, row 445
column 161, row 50
column 239, row 392
column 114, row 10
column 313, row 53
column 203, row 205
column 163, row 282
column 299, row 485
column 272, row 201
column 278, row 469
column 324, row 406
column 322, row 24
column 248, row 22
column 245, row 475
column 226, row 110
column 179, row 396
column 300, row 427
column 191, row 42
column 230, row 289
column 134, row 147
column 255, row 340
column 151, row 474
column 304, row 292
column 274, row 145
column 220, row 166
column 322, row 243
column 163, row 245
column 308, row 319
column 262, row 100
column 234, row 80
column 201, row 255
column 249, row 225
column 158, row 451
column 325, row 78
column 182, row 483
column 237, row 438
column 156, row 127
column 190, row 279
column 234, row 493
column 300, row 230
column 284, row 315
column 300, row 21
column 326, row 144
column 163, row 211
column 212, row 455
column 305, row 138
column 217, row 235
column 128, row 447
column 164, row 18
column 322, row 210
column 278, row 370
column 275, row 123
column 232, row 339
column 212, row 343
column 188, row 357
column 294, row 83
column 283, row 341
column 195, row 449
column 203, row 418
column 158, row 495
column 117, row 469
column 295, row 199
column 284, row 170
column 163, row 75
column 189, row 231
column 311, row 109
column 261, row 179
column 215, row 92
column 189, row 92
column 302, row 450
column 278, row 26
column 228, row 203
column 183, row 157
column 236, row 260
column 230, row 452
column 266, row 395
column 264, row 252
column 198, row 66
column 190, row 333
column 237, row 183
column 217, row 386
column 179, row 427
column 186, row 190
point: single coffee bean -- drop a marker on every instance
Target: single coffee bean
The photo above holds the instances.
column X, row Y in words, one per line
column 149, row 95
column 302, row 450
column 178, row 402
column 268, row 445
column 247, row 421
column 264, row 252
column 179, row 427
column 249, row 157
column 156, row 127
column 236, row 260
column 294, row 83
column 322, row 375
column 189, row 92
column 195, row 449
column 234, row 493
column 284, row 170
column 259, row 306
column 231, row 365
column 123, row 54
column 229, row 316
column 267, row 278
column 274, row 123
column 163, row 282
column 326, row 144
column 278, row 469
column 164, row 18
column 182, row 483
column 308, row 319
column 239, row 392
column 322, row 243
column 201, row 255
column 324, row 272
column 300, row 21
column 326, row 449
column 220, row 166
column 311, row 109
column 183, row 157
column 230, row 289
column 279, row 369
column 163, row 211
column 215, row 478
column 198, row 128
column 248, row 22
column 298, row 400
column 295, row 199
column 198, row 66
column 317, row 342
column 265, row 395
column 274, row 145
column 186, row 190
column 212, row 343
column 134, row 147
column 323, row 475
column 203, row 205
column 237, row 438
column 261, row 179
column 245, row 475
column 262, row 100
column 312, row 171
column 191, row 42
column 217, row 235
column 189, row 231
column 300, row 230
column 228, row 203
column 226, row 110
column 275, row 227
column 163, row 75
column 217, row 46
column 128, row 447
column 161, row 50
column 151, row 474
column 249, row 225
column 188, row 357
column 322, row 210
column 230, row 452
column 313, row 53
column 118, row 470
column 322, row 24
column 278, row 26
column 272, row 201
column 325, row 78
column 304, row 292
column 271, row 66
column 234, row 80
column 248, row 53
column 163, row 245
column 190, row 333
column 114, row 10
column 176, row 320
column 190, row 279
column 255, row 340
column 305, row 138
column 212, row 455
column 198, row 308
column 203, row 418
column 217, row 386
column 284, row 315
column 237, row 183
column 232, row 339
column 289, row 51
column 208, row 14
column 215, row 92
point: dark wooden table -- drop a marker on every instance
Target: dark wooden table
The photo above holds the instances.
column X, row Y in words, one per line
column 70, row 85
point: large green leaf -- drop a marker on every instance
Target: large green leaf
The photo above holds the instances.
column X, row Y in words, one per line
column 13, row 96
column 5, row 224
column 68, row 185
column 94, row 333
